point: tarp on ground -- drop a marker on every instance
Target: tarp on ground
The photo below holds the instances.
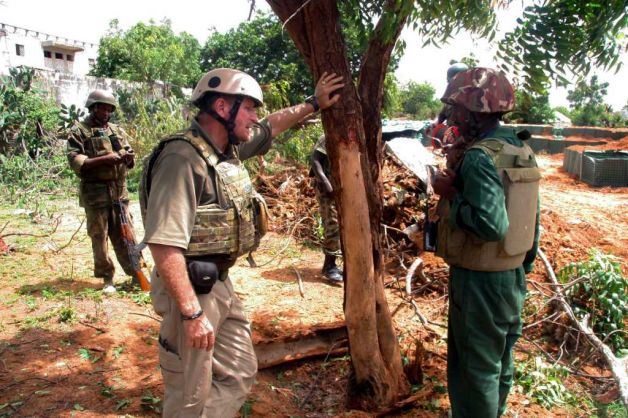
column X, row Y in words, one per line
column 412, row 155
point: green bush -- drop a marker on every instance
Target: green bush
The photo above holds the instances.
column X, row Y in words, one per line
column 295, row 145
column 147, row 119
column 599, row 290
column 543, row 382
column 28, row 116
column 25, row 181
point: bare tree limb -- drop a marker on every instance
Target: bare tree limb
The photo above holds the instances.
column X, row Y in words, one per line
column 299, row 281
column 618, row 366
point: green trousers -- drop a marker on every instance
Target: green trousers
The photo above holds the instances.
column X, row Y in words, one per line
column 484, row 324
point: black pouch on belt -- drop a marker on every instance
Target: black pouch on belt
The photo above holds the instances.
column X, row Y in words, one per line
column 203, row 275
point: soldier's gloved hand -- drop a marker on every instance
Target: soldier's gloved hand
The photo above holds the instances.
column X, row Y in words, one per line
column 327, row 84
column 199, row 333
column 443, row 184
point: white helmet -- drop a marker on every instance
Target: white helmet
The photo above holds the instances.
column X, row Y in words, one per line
column 228, row 81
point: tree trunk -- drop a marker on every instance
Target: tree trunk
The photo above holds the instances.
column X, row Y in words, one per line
column 314, row 27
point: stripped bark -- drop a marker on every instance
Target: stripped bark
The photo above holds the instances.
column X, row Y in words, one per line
column 315, row 29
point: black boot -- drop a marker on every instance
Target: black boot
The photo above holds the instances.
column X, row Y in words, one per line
column 332, row 272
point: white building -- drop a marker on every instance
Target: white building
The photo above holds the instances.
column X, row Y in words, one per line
column 39, row 50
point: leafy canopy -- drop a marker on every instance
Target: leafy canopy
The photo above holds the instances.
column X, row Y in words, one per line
column 263, row 49
column 589, row 109
column 555, row 37
column 148, row 53
column 418, row 100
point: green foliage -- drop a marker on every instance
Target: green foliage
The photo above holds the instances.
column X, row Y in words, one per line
column 25, row 181
column 543, row 382
column 26, row 114
column 147, row 53
column 262, row 48
column 599, row 290
column 151, row 403
column 589, row 109
column 147, row 119
column 418, row 100
column 565, row 35
column 392, row 96
column 531, row 108
column 67, row 314
column 295, row 145
column 470, row 60
column 69, row 116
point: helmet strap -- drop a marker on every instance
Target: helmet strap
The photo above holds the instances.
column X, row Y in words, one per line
column 229, row 124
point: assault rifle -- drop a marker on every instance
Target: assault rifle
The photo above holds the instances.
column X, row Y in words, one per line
column 135, row 255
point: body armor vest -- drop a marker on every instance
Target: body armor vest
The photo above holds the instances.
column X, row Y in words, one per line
column 99, row 142
column 236, row 223
column 520, row 176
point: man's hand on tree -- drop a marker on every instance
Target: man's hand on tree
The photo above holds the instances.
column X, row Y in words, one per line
column 327, row 84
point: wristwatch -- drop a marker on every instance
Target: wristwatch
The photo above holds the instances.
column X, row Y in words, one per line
column 193, row 316
column 312, row 101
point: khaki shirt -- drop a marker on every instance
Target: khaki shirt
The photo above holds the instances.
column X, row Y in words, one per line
column 181, row 180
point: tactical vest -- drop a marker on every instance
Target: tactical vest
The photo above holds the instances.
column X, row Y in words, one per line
column 233, row 226
column 520, row 176
column 98, row 142
column 106, row 182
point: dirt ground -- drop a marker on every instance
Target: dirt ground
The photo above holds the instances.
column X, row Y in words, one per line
column 65, row 350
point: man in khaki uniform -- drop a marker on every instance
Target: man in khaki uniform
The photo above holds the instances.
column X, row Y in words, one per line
column 321, row 170
column 200, row 213
column 100, row 155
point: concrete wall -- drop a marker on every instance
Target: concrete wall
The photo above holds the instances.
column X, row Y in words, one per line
column 589, row 131
column 72, row 89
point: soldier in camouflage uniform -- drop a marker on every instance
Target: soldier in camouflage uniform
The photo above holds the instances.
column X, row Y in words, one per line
column 100, row 155
column 201, row 212
column 488, row 233
column 321, row 170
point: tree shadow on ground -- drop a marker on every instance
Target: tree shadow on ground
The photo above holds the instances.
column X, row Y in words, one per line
column 288, row 275
column 79, row 369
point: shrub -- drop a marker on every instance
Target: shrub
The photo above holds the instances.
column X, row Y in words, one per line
column 599, row 290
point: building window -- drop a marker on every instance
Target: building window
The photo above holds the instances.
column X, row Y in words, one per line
column 91, row 62
column 19, row 50
column 47, row 54
column 69, row 57
column 58, row 55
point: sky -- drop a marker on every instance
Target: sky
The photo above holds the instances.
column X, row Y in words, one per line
column 88, row 21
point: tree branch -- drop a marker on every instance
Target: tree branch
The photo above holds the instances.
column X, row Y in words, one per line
column 618, row 366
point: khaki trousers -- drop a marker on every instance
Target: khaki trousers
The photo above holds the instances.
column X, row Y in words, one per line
column 200, row 383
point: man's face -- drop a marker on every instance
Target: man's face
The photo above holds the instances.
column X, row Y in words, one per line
column 102, row 113
column 245, row 120
column 459, row 117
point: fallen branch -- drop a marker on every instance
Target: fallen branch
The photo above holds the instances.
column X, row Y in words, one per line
column 288, row 241
column 58, row 250
column 415, row 264
column 618, row 366
column 299, row 281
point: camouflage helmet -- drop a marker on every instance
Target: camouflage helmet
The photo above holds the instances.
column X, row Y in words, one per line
column 228, row 81
column 454, row 69
column 481, row 90
column 101, row 96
